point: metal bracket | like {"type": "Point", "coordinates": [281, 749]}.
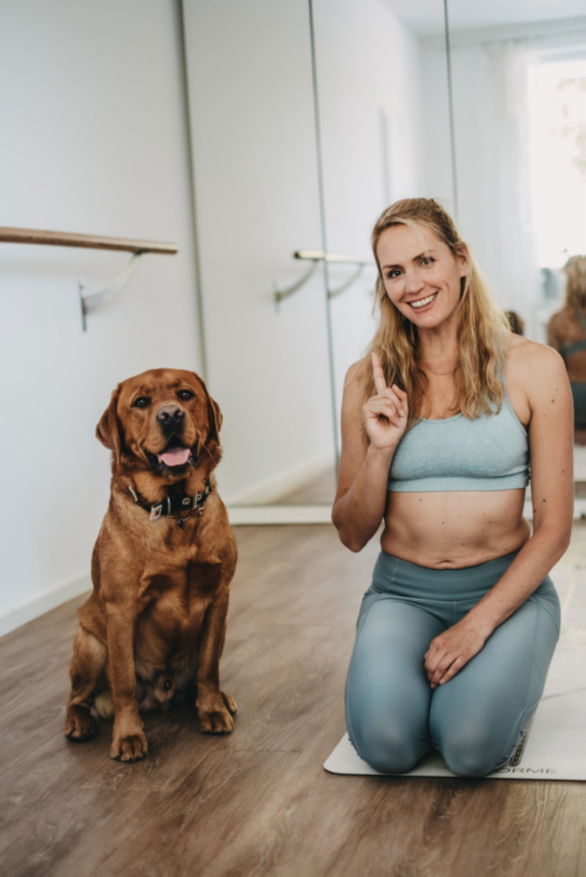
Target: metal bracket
{"type": "Point", "coordinates": [92, 302]}
{"type": "Point", "coordinates": [281, 294]}
{"type": "Point", "coordinates": [332, 293]}
{"type": "Point", "coordinates": [315, 257]}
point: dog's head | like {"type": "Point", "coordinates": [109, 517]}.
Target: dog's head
{"type": "Point", "coordinates": [163, 420]}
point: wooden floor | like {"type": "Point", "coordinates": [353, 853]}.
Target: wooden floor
{"type": "Point", "coordinates": [257, 802]}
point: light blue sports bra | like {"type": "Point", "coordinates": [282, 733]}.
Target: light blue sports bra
{"type": "Point", "coordinates": [567, 350]}
{"type": "Point", "coordinates": [490, 452]}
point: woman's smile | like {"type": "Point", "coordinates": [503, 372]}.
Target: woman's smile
{"type": "Point", "coordinates": [423, 302]}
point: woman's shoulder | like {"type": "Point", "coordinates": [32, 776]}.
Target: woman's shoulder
{"type": "Point", "coordinates": [532, 362]}
{"type": "Point", "coordinates": [357, 374]}
{"type": "Point", "coordinates": [519, 348]}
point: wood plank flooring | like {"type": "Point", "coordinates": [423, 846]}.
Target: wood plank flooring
{"type": "Point", "coordinates": [257, 802]}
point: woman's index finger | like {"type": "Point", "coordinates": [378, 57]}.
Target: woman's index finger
{"type": "Point", "coordinates": [378, 373]}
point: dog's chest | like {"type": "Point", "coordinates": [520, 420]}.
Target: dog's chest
{"type": "Point", "coordinates": [169, 626]}
{"type": "Point", "coordinates": [175, 615]}
{"type": "Point", "coordinates": [176, 597]}
{"type": "Point", "coordinates": [167, 546]}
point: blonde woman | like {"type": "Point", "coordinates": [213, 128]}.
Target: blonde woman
{"type": "Point", "coordinates": [567, 333]}
{"type": "Point", "coordinates": [440, 425]}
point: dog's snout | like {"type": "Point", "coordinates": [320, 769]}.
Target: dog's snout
{"type": "Point", "coordinates": [170, 417]}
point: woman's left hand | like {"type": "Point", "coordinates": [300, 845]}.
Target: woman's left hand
{"type": "Point", "coordinates": [451, 650]}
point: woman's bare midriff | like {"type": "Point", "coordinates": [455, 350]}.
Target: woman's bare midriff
{"type": "Point", "coordinates": [454, 530]}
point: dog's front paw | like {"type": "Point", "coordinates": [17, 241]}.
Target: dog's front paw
{"type": "Point", "coordinates": [128, 743]}
{"type": "Point", "coordinates": [80, 725]}
{"type": "Point", "coordinates": [217, 717]}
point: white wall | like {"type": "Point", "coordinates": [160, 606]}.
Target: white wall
{"type": "Point", "coordinates": [435, 110]}
{"type": "Point", "coordinates": [371, 136]}
{"type": "Point", "coordinates": [257, 201]}
{"type": "Point", "coordinates": [93, 140]}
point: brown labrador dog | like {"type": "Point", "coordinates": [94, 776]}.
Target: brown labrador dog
{"type": "Point", "coordinates": [154, 625]}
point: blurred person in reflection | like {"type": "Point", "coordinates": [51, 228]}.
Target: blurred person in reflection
{"type": "Point", "coordinates": [441, 422]}
{"type": "Point", "coordinates": [567, 333]}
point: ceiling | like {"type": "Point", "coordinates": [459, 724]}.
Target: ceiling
{"type": "Point", "coordinates": [426, 17]}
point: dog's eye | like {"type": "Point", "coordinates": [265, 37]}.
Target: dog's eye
{"type": "Point", "coordinates": [185, 394]}
{"type": "Point", "coordinates": [141, 402]}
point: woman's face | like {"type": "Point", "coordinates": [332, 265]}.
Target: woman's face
{"type": "Point", "coordinates": [421, 275]}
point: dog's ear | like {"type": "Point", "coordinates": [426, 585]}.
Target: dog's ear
{"type": "Point", "coordinates": [214, 414]}
{"type": "Point", "coordinates": [216, 418]}
{"type": "Point", "coordinates": [109, 429]}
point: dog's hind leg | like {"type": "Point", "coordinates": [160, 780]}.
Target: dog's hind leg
{"type": "Point", "coordinates": [86, 671]}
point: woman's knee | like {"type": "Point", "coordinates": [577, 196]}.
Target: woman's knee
{"type": "Point", "coordinates": [472, 752]}
{"type": "Point", "coordinates": [384, 748]}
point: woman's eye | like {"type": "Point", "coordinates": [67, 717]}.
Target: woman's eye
{"type": "Point", "coordinates": [427, 260]}
{"type": "Point", "coordinates": [185, 394]}
{"type": "Point", "coordinates": [141, 402]}
{"type": "Point", "coordinates": [393, 273]}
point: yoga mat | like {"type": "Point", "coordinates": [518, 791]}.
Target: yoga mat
{"type": "Point", "coordinates": [553, 746]}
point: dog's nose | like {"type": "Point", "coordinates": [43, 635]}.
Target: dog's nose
{"type": "Point", "coordinates": [170, 417]}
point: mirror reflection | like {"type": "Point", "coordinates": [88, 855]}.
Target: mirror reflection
{"type": "Point", "coordinates": [518, 79]}
{"type": "Point", "coordinates": [338, 109]}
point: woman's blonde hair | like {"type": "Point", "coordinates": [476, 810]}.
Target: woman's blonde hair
{"type": "Point", "coordinates": [575, 271]}
{"type": "Point", "coordinates": [482, 329]}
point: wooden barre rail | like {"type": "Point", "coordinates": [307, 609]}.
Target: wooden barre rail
{"type": "Point", "coordinates": [89, 303]}
{"type": "Point", "coordinates": [96, 242]}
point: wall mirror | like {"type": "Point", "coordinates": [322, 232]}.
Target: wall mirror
{"type": "Point", "coordinates": [518, 87]}
{"type": "Point", "coordinates": [304, 125]}
{"type": "Point", "coordinates": [307, 118]}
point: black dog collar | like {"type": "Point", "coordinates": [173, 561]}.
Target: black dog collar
{"type": "Point", "coordinates": [173, 504]}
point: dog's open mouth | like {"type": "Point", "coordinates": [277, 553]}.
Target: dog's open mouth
{"type": "Point", "coordinates": [173, 456]}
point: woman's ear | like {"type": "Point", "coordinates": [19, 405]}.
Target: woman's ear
{"type": "Point", "coordinates": [463, 257]}
{"type": "Point", "coordinates": [109, 429]}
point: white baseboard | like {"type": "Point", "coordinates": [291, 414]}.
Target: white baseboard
{"type": "Point", "coordinates": [14, 618]}
{"type": "Point", "coordinates": [280, 514]}
{"type": "Point", "coordinates": [269, 491]}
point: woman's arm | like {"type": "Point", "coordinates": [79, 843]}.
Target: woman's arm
{"type": "Point", "coordinates": [541, 371]}
{"type": "Point", "coordinates": [370, 434]}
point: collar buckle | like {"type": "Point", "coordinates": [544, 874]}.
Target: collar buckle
{"type": "Point", "coordinates": [156, 512]}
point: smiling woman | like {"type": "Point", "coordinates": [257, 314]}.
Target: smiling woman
{"type": "Point", "coordinates": [438, 427]}
{"type": "Point", "coordinates": [428, 279]}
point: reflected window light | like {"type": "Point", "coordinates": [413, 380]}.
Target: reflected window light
{"type": "Point", "coordinates": [557, 158]}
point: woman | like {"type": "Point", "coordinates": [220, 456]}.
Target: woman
{"type": "Point", "coordinates": [567, 333]}
{"type": "Point", "coordinates": [456, 633]}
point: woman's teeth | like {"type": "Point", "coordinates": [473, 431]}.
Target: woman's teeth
{"type": "Point", "coordinates": [423, 301]}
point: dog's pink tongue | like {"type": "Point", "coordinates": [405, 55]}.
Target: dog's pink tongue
{"type": "Point", "coordinates": [174, 457]}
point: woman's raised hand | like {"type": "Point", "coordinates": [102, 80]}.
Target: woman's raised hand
{"type": "Point", "coordinates": [385, 413]}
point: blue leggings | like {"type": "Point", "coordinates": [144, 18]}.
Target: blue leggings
{"type": "Point", "coordinates": [475, 720]}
